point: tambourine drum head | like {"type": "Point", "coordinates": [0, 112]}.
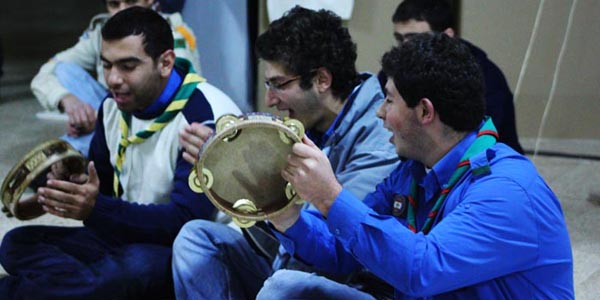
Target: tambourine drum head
{"type": "Point", "coordinates": [245, 162]}
{"type": "Point", "coordinates": [20, 185]}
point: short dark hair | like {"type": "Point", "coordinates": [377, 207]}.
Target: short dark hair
{"type": "Point", "coordinates": [442, 69]}
{"type": "Point", "coordinates": [437, 13]}
{"type": "Point", "coordinates": [304, 40]}
{"type": "Point", "coordinates": [136, 20]}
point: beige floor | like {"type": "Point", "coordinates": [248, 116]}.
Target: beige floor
{"type": "Point", "coordinates": [573, 180]}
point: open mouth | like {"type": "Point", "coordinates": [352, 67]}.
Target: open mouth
{"type": "Point", "coordinates": [121, 98]}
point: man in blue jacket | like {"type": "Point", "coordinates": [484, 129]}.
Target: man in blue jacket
{"type": "Point", "coordinates": [136, 197]}
{"type": "Point", "coordinates": [463, 217]}
{"type": "Point", "coordinates": [310, 74]}
{"type": "Point", "coordinates": [417, 16]}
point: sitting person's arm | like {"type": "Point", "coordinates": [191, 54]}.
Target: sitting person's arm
{"type": "Point", "coordinates": [134, 222]}
{"type": "Point", "coordinates": [53, 95]}
{"type": "Point", "coordinates": [122, 220]}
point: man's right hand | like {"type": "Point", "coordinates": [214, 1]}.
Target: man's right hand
{"type": "Point", "coordinates": [191, 138]}
{"type": "Point", "coordinates": [82, 116]}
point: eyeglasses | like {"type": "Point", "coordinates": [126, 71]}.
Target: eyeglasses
{"type": "Point", "coordinates": [279, 87]}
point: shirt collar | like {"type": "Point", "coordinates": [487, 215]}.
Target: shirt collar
{"type": "Point", "coordinates": [320, 139]}
{"type": "Point", "coordinates": [441, 172]}
{"type": "Point", "coordinates": [164, 99]}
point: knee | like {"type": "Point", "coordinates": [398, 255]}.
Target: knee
{"type": "Point", "coordinates": [191, 236]}
{"type": "Point", "coordinates": [193, 244]}
{"type": "Point", "coordinates": [11, 245]}
{"type": "Point", "coordinates": [283, 284]}
{"type": "Point", "coordinates": [194, 247]}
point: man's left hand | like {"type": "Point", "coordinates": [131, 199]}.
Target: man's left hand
{"type": "Point", "coordinates": [74, 200]}
{"type": "Point", "coordinates": [309, 171]}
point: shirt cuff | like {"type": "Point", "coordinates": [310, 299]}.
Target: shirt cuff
{"type": "Point", "coordinates": [103, 206]}
{"type": "Point", "coordinates": [345, 217]}
{"type": "Point", "coordinates": [298, 231]}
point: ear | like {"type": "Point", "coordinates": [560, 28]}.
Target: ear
{"type": "Point", "coordinates": [166, 63]}
{"type": "Point", "coordinates": [425, 111]}
{"type": "Point", "coordinates": [449, 32]}
{"type": "Point", "coordinates": [323, 79]}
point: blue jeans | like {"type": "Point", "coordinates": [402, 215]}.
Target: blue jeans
{"type": "Point", "coordinates": [298, 285]}
{"type": "Point", "coordinates": [79, 83]}
{"type": "Point", "coordinates": [214, 261]}
{"type": "Point", "coordinates": [64, 263]}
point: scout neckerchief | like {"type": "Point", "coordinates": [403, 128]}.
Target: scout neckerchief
{"type": "Point", "coordinates": [190, 81]}
{"type": "Point", "coordinates": [486, 137]}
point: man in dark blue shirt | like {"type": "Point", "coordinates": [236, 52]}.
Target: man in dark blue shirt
{"type": "Point", "coordinates": [417, 16]}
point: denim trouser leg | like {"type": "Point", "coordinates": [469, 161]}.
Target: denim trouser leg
{"type": "Point", "coordinates": [298, 285]}
{"type": "Point", "coordinates": [81, 143]}
{"type": "Point", "coordinates": [74, 263]}
{"type": "Point", "coordinates": [81, 84]}
{"type": "Point", "coordinates": [213, 261]}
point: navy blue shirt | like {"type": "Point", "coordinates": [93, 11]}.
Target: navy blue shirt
{"type": "Point", "coordinates": [498, 98]}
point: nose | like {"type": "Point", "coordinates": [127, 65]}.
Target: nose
{"type": "Point", "coordinates": [271, 98]}
{"type": "Point", "coordinates": [113, 78]}
{"type": "Point", "coordinates": [381, 111]}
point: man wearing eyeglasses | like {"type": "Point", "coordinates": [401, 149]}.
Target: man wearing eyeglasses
{"type": "Point", "coordinates": [310, 73]}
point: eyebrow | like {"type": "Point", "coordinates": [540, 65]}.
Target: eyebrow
{"type": "Point", "coordinates": [274, 78]}
{"type": "Point", "coordinates": [122, 60]}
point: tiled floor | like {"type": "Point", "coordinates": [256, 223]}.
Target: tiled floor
{"type": "Point", "coordinates": [573, 180]}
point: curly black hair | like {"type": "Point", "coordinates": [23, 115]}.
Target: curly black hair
{"type": "Point", "coordinates": [304, 40]}
{"type": "Point", "coordinates": [442, 69]}
{"type": "Point", "coordinates": [137, 20]}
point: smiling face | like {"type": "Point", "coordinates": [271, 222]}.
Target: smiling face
{"type": "Point", "coordinates": [408, 136]}
{"type": "Point", "coordinates": [134, 78]}
{"type": "Point", "coordinates": [284, 93]}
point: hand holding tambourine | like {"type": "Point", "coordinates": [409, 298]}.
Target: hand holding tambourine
{"type": "Point", "coordinates": [54, 160]}
{"type": "Point", "coordinates": [239, 166]}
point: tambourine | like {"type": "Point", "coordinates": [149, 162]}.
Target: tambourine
{"type": "Point", "coordinates": [19, 187]}
{"type": "Point", "coordinates": [240, 166]}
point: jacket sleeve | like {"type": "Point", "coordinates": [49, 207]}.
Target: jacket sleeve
{"type": "Point", "coordinates": [45, 85]}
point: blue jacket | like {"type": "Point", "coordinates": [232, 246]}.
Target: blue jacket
{"type": "Point", "coordinates": [499, 235]}
{"type": "Point", "coordinates": [357, 143]}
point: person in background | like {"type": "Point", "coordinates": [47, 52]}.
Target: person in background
{"type": "Point", "coordinates": [310, 73]}
{"type": "Point", "coordinates": [135, 197]}
{"type": "Point", "coordinates": [65, 83]}
{"type": "Point", "coordinates": [417, 16]}
{"type": "Point", "coordinates": [453, 221]}
{"type": "Point", "coordinates": [170, 6]}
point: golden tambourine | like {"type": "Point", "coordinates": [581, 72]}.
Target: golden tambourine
{"type": "Point", "coordinates": [19, 187]}
{"type": "Point", "coordinates": [240, 166]}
